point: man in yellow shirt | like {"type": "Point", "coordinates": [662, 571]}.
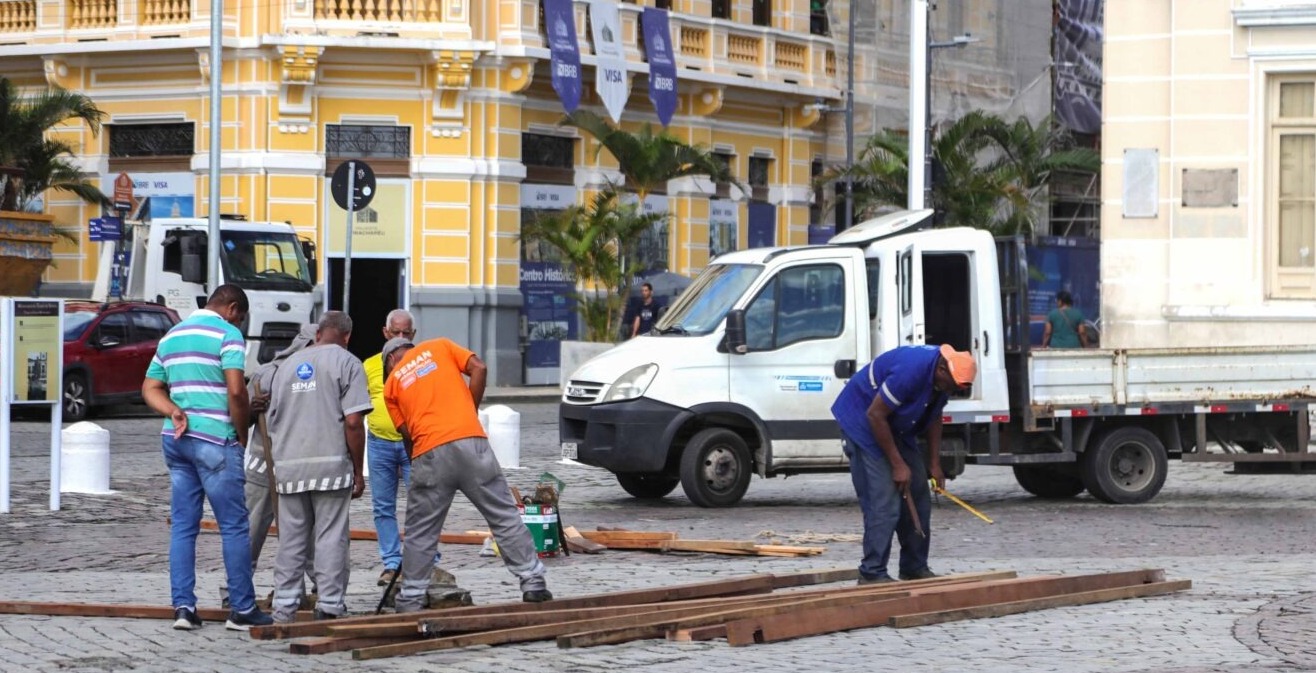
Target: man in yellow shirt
{"type": "Point", "coordinates": [388, 459]}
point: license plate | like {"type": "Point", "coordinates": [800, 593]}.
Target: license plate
{"type": "Point", "coordinates": [569, 451]}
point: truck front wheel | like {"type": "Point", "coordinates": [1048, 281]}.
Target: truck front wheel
{"type": "Point", "coordinates": [1049, 481]}
{"type": "Point", "coordinates": [647, 486]}
{"type": "Point", "coordinates": [1125, 466]}
{"type": "Point", "coordinates": [715, 468]}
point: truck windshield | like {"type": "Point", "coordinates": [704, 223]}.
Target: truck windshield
{"type": "Point", "coordinates": [259, 260]}
{"type": "Point", "coordinates": [703, 305]}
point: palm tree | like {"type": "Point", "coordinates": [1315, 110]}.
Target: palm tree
{"type": "Point", "coordinates": [45, 163]}
{"type": "Point", "coordinates": [602, 239]}
{"type": "Point", "coordinates": [990, 174]}
{"type": "Point", "coordinates": [647, 160]}
{"type": "Point", "coordinates": [593, 239]}
{"type": "Point", "coordinates": [1029, 156]}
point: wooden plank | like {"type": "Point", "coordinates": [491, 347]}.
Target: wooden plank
{"type": "Point", "coordinates": [103, 610]}
{"type": "Point", "coordinates": [710, 546]}
{"type": "Point", "coordinates": [749, 584]}
{"type": "Point", "coordinates": [812, 620]}
{"type": "Point", "coordinates": [698, 633]}
{"type": "Point", "coordinates": [606, 536]}
{"type": "Point", "coordinates": [577, 543]}
{"type": "Point", "coordinates": [467, 623]}
{"type": "Point", "coordinates": [1064, 600]}
{"type": "Point", "coordinates": [813, 577]}
{"type": "Point", "coordinates": [327, 645]}
{"type": "Point", "coordinates": [658, 625]}
{"type": "Point", "coordinates": [400, 629]}
{"type": "Point", "coordinates": [360, 534]}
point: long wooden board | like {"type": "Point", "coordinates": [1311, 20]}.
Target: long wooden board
{"type": "Point", "coordinates": [749, 584]}
{"type": "Point", "coordinates": [362, 535]}
{"type": "Point", "coordinates": [1048, 602]}
{"type": "Point", "coordinates": [103, 610]}
{"type": "Point", "coordinates": [818, 620]}
{"type": "Point", "coordinates": [327, 645]}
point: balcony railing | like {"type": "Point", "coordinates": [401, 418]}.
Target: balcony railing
{"type": "Point", "coordinates": [165, 12]}
{"type": "Point", "coordinates": [718, 46]}
{"type": "Point", "coordinates": [93, 14]}
{"type": "Point", "coordinates": [109, 20]}
{"type": "Point", "coordinates": [398, 11]}
{"type": "Point", "coordinates": [18, 16]}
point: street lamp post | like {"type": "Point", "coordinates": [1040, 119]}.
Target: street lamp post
{"type": "Point", "coordinates": [849, 119]}
{"type": "Point", "coordinates": [920, 102]}
{"type": "Point", "coordinates": [216, 123]}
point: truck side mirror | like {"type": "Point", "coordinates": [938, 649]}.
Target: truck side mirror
{"type": "Point", "coordinates": [308, 251]}
{"type": "Point", "coordinates": [736, 331]}
{"type": "Point", "coordinates": [194, 259]}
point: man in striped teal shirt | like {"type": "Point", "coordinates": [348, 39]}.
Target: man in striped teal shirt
{"type": "Point", "coordinates": [196, 381]}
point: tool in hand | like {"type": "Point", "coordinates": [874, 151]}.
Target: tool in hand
{"type": "Point", "coordinates": [913, 514]}
{"type": "Point", "coordinates": [941, 491]}
{"type": "Point", "coordinates": [387, 590]}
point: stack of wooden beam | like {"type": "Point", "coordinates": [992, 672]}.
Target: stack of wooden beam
{"type": "Point", "coordinates": [592, 542]}
{"type": "Point", "coordinates": [665, 541]}
{"type": "Point", "coordinates": [743, 610]}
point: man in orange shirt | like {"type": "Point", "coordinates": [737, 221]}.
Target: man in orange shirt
{"type": "Point", "coordinates": [435, 410]}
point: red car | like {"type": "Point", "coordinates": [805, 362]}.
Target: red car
{"type": "Point", "coordinates": [107, 348]}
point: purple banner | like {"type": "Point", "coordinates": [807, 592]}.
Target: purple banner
{"type": "Point", "coordinates": [1078, 40]}
{"type": "Point", "coordinates": [662, 66]}
{"type": "Point", "coordinates": [560, 25]}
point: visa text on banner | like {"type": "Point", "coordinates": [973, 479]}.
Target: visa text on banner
{"type": "Point", "coordinates": [610, 68]}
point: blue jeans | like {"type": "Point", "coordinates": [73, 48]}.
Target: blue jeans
{"type": "Point", "coordinates": [885, 512]}
{"type": "Point", "coordinates": [200, 470]}
{"type": "Point", "coordinates": [390, 465]}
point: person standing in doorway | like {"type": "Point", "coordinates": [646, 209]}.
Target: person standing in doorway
{"type": "Point", "coordinates": [196, 381]}
{"type": "Point", "coordinates": [317, 413]}
{"type": "Point", "coordinates": [390, 464]}
{"type": "Point", "coordinates": [882, 410]}
{"type": "Point", "coordinates": [1065, 326]}
{"type": "Point", "coordinates": [435, 409]}
{"type": "Point", "coordinates": [646, 314]}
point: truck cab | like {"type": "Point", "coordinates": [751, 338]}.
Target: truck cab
{"type": "Point", "coordinates": [739, 375]}
{"type": "Point", "coordinates": [167, 264]}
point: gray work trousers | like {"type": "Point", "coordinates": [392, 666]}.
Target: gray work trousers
{"type": "Point", "coordinates": [466, 465]}
{"type": "Point", "coordinates": [312, 522]}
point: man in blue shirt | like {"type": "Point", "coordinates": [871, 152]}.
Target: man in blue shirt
{"type": "Point", "coordinates": [196, 382]}
{"type": "Point", "coordinates": [882, 410]}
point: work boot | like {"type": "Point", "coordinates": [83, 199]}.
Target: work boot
{"type": "Point", "coordinates": [321, 615]}
{"type": "Point", "coordinates": [536, 596]}
{"type": "Point", "coordinates": [924, 574]}
{"type": "Point", "coordinates": [875, 579]}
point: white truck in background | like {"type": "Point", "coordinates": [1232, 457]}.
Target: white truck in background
{"type": "Point", "coordinates": [166, 264]}
{"type": "Point", "coordinates": [739, 375]}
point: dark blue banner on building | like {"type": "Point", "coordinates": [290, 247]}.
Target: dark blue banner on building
{"type": "Point", "coordinates": [662, 66]}
{"type": "Point", "coordinates": [564, 53]}
{"type": "Point", "coordinates": [548, 289]}
{"type": "Point", "coordinates": [1078, 40]}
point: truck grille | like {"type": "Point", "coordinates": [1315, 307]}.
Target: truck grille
{"type": "Point", "coordinates": [274, 337]}
{"type": "Point", "coordinates": [582, 392]}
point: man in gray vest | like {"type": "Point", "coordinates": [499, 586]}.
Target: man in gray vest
{"type": "Point", "coordinates": [318, 403]}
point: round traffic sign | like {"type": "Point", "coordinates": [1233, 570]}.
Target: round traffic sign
{"type": "Point", "coordinates": [363, 184]}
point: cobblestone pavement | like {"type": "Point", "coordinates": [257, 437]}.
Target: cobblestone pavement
{"type": "Point", "coordinates": [1246, 542]}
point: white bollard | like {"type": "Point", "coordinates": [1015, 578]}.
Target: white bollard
{"type": "Point", "coordinates": [84, 459]}
{"type": "Point", "coordinates": [503, 425]}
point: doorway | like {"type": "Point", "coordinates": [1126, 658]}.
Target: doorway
{"type": "Point", "coordinates": [378, 286]}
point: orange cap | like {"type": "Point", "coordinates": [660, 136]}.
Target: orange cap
{"type": "Point", "coordinates": [962, 367]}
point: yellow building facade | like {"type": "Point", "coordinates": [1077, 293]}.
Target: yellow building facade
{"type": "Point", "coordinates": [439, 97]}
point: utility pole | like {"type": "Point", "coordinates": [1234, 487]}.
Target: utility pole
{"type": "Point", "coordinates": [216, 136]}
{"type": "Point", "coordinates": [917, 164]}
{"type": "Point", "coordinates": [849, 118]}
{"type": "Point", "coordinates": [920, 102]}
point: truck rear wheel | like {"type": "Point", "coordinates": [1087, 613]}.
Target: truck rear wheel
{"type": "Point", "coordinates": [1049, 481]}
{"type": "Point", "coordinates": [647, 486]}
{"type": "Point", "coordinates": [715, 468]}
{"type": "Point", "coordinates": [1125, 466]}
